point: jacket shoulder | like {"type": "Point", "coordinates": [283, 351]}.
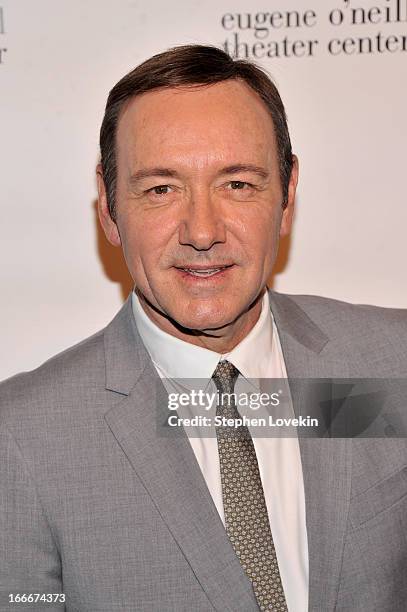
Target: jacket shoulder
{"type": "Point", "coordinates": [371, 334]}
{"type": "Point", "coordinates": [76, 370]}
{"type": "Point", "coordinates": [328, 311]}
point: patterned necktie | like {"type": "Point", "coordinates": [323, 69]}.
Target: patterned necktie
{"type": "Point", "coordinates": [246, 518]}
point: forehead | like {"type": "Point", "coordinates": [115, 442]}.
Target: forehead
{"type": "Point", "coordinates": [227, 119]}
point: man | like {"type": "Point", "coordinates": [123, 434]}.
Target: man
{"type": "Point", "coordinates": [196, 183]}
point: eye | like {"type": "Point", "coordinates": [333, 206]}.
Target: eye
{"type": "Point", "coordinates": [239, 185]}
{"type": "Point", "coordinates": [159, 190]}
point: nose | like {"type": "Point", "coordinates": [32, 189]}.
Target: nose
{"type": "Point", "coordinates": [202, 225]}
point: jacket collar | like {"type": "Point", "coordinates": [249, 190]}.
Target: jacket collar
{"type": "Point", "coordinates": [126, 356]}
{"type": "Point", "coordinates": [171, 475]}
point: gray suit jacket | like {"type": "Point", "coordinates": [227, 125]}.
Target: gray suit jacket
{"type": "Point", "coordinates": [95, 504]}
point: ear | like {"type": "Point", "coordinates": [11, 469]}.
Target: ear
{"type": "Point", "coordinates": [106, 221]}
{"type": "Point", "coordinates": [287, 219]}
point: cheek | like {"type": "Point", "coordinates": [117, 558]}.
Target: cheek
{"type": "Point", "coordinates": [145, 241]}
{"type": "Point", "coordinates": [258, 233]}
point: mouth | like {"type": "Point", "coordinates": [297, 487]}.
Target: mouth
{"type": "Point", "coordinates": [204, 272]}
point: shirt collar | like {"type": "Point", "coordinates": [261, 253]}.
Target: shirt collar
{"type": "Point", "coordinates": [251, 356]}
{"type": "Point", "coordinates": [179, 359]}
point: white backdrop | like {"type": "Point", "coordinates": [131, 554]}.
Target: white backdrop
{"type": "Point", "coordinates": [347, 114]}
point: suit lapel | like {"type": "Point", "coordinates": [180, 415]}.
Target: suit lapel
{"type": "Point", "coordinates": [169, 471]}
{"type": "Point", "coordinates": [326, 463]}
{"type": "Point", "coordinates": [167, 466]}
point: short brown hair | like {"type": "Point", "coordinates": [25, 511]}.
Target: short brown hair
{"type": "Point", "coordinates": [182, 66]}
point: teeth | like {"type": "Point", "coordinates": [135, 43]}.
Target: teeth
{"type": "Point", "coordinates": [207, 272]}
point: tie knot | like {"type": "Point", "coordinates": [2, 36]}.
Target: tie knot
{"type": "Point", "coordinates": [225, 376]}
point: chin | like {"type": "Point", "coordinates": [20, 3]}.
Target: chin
{"type": "Point", "coordinates": [204, 317]}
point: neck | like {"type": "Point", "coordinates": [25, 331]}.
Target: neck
{"type": "Point", "coordinates": [222, 340]}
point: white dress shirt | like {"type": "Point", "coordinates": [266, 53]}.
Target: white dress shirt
{"type": "Point", "coordinates": [258, 356]}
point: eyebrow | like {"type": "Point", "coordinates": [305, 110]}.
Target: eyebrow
{"type": "Point", "coordinates": [144, 173]}
{"type": "Point", "coordinates": [236, 168]}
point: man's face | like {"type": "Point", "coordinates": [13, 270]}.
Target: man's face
{"type": "Point", "coordinates": [199, 201]}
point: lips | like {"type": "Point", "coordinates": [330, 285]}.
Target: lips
{"type": "Point", "coordinates": [203, 272]}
